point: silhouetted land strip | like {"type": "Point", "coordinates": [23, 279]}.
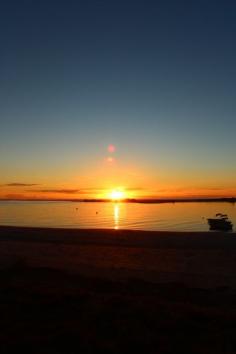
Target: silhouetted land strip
{"type": "Point", "coordinates": [132, 200]}
{"type": "Point", "coordinates": [181, 200]}
{"type": "Point", "coordinates": [111, 291]}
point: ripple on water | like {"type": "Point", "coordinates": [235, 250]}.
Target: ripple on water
{"type": "Point", "coordinates": [172, 217]}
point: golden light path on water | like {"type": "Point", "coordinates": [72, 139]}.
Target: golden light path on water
{"type": "Point", "coordinates": [116, 215]}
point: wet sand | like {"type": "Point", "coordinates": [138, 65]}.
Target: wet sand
{"type": "Point", "coordinates": [112, 291]}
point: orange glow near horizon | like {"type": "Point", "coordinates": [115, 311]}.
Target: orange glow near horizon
{"type": "Point", "coordinates": [110, 192]}
{"type": "Point", "coordinates": [115, 181]}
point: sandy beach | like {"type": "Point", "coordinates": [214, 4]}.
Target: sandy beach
{"type": "Point", "coordinates": [112, 291]}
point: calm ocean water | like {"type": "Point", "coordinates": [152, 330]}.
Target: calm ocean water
{"type": "Point", "coordinates": [168, 216]}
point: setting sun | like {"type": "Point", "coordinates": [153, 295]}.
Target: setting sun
{"type": "Point", "coordinates": [117, 194]}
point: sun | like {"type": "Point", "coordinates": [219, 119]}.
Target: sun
{"type": "Point", "coordinates": [117, 194]}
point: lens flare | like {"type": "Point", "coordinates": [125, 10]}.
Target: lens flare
{"type": "Point", "coordinates": [111, 148]}
{"type": "Point", "coordinates": [110, 159]}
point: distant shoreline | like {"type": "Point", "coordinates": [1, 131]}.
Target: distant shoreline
{"type": "Point", "coordinates": [133, 200]}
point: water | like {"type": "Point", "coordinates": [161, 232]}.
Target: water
{"type": "Point", "coordinates": [168, 216]}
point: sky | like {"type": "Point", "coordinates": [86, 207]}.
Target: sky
{"type": "Point", "coordinates": [100, 95]}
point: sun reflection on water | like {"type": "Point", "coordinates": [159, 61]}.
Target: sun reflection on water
{"type": "Point", "coordinates": [116, 216]}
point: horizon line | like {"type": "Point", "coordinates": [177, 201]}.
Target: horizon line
{"type": "Point", "coordinates": [149, 200]}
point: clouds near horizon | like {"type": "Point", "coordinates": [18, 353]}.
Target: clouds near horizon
{"type": "Point", "coordinates": [18, 184]}
{"type": "Point", "coordinates": [63, 191]}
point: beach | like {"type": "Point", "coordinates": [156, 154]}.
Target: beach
{"type": "Point", "coordinates": [113, 291]}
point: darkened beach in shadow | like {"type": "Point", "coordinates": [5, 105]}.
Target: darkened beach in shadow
{"type": "Point", "coordinates": [110, 291]}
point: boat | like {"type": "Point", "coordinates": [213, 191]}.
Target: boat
{"type": "Point", "coordinates": [221, 222]}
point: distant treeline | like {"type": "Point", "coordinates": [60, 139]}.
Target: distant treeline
{"type": "Point", "coordinates": [132, 200]}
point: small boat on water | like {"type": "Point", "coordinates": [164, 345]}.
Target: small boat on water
{"type": "Point", "coordinates": [220, 222]}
